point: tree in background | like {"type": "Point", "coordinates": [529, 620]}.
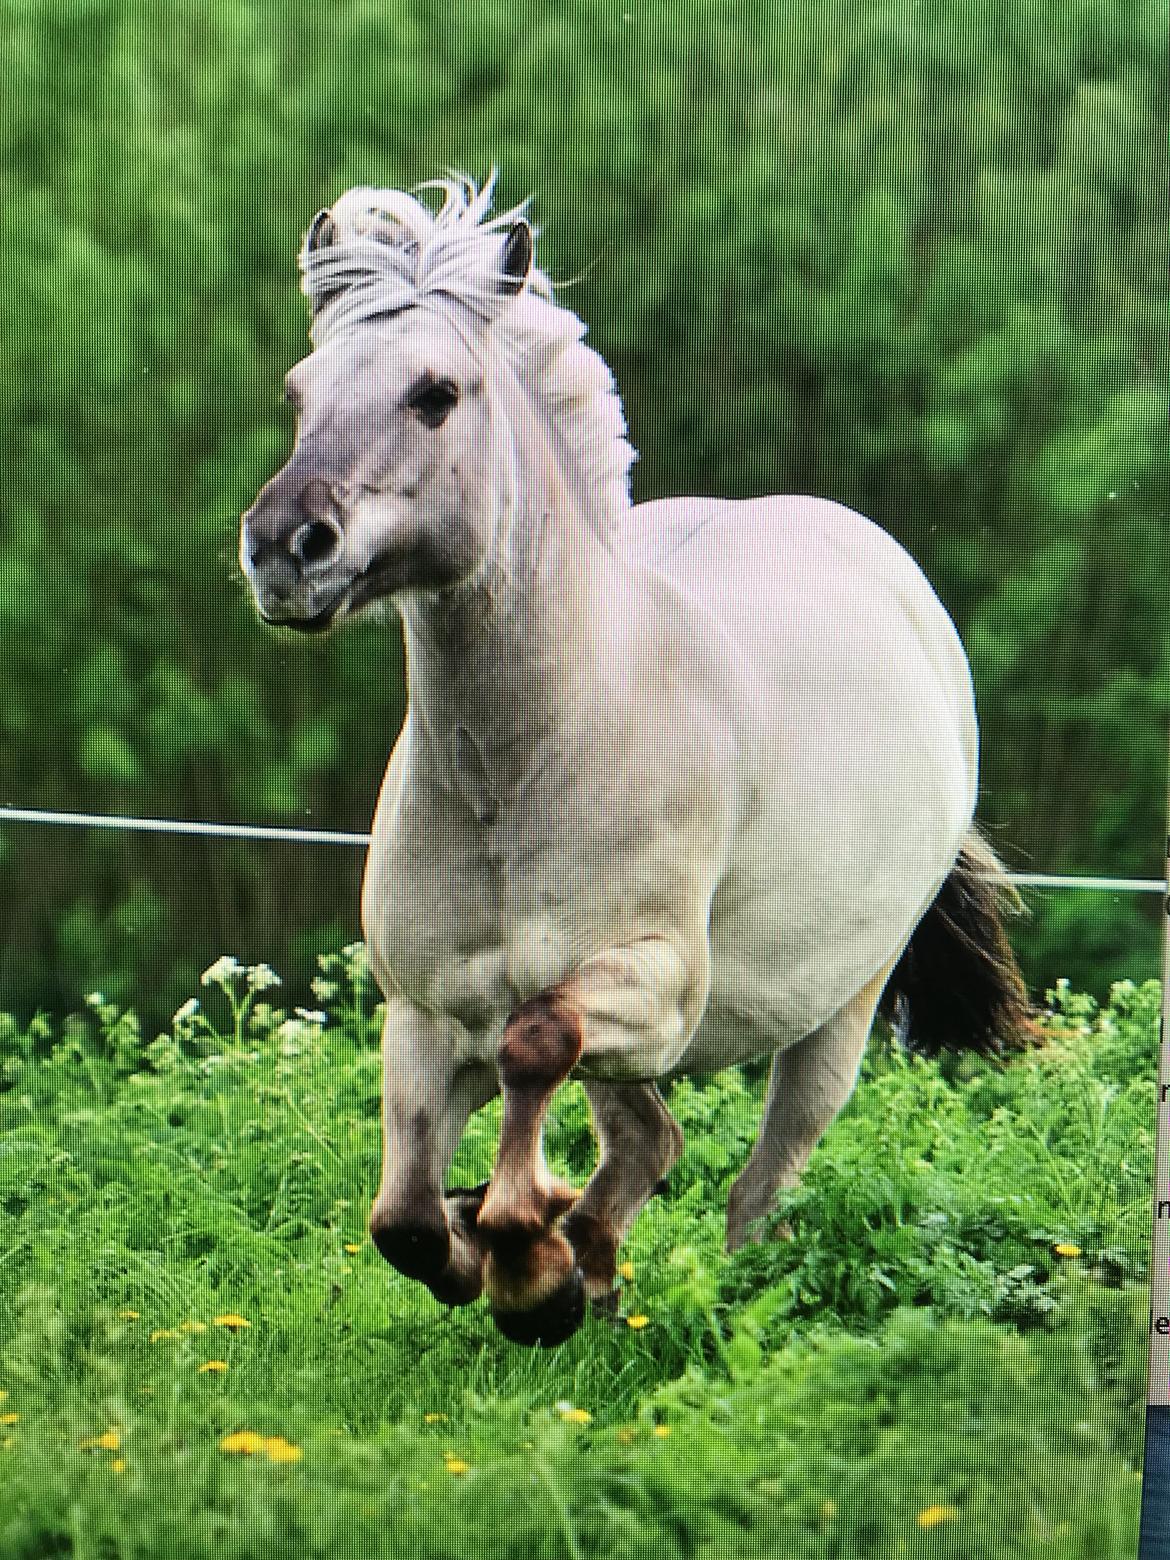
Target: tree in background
{"type": "Point", "coordinates": [912, 261]}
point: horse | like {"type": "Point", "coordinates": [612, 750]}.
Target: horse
{"type": "Point", "coordinates": [678, 786]}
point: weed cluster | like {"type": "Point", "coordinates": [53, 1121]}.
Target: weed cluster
{"type": "Point", "coordinates": [203, 1355]}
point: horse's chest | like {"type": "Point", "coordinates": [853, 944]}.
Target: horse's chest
{"type": "Point", "coordinates": [471, 930]}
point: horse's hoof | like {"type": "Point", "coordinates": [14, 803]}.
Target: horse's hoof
{"type": "Point", "coordinates": [552, 1321]}
{"type": "Point", "coordinates": [416, 1250]}
{"type": "Point", "coordinates": [457, 1286]}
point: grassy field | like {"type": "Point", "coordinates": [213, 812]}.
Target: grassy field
{"type": "Point", "coordinates": [203, 1356]}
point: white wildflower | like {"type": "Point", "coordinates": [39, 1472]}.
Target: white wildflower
{"type": "Point", "coordinates": [311, 1015]}
{"type": "Point", "coordinates": [222, 971]}
{"type": "Point", "coordinates": [188, 1010]}
{"type": "Point", "coordinates": [261, 977]}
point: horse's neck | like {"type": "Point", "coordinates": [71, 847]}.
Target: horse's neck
{"type": "Point", "coordinates": [497, 667]}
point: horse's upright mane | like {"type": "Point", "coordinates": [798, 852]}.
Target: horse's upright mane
{"type": "Point", "coordinates": [389, 251]}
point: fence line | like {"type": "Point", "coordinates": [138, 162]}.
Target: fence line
{"type": "Point", "coordinates": [236, 831]}
{"type": "Point", "coordinates": [257, 831]}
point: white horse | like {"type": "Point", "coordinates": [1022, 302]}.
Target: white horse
{"type": "Point", "coordinates": [678, 785]}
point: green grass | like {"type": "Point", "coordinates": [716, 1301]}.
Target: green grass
{"type": "Point", "coordinates": [918, 1350]}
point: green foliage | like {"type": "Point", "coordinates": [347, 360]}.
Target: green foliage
{"type": "Point", "coordinates": [914, 261]}
{"type": "Point", "coordinates": [917, 1371]}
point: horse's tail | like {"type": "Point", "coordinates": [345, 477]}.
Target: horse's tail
{"type": "Point", "coordinates": [957, 986]}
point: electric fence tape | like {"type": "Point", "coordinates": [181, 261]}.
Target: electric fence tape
{"type": "Point", "coordinates": [256, 831]}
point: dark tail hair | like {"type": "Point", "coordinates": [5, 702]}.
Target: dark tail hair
{"type": "Point", "coordinates": [957, 986]}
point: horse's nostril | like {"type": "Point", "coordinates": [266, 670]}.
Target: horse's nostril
{"type": "Point", "coordinates": [315, 542]}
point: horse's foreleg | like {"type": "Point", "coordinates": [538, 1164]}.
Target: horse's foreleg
{"type": "Point", "coordinates": [629, 1009]}
{"type": "Point", "coordinates": [640, 1141]}
{"type": "Point", "coordinates": [808, 1085]}
{"type": "Point", "coordinates": [428, 1094]}
{"type": "Point", "coordinates": [531, 1273]}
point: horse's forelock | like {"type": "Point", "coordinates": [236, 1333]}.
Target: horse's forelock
{"type": "Point", "coordinates": [390, 251]}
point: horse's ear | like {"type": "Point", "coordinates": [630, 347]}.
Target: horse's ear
{"type": "Point", "coordinates": [516, 258]}
{"type": "Point", "coordinates": [322, 231]}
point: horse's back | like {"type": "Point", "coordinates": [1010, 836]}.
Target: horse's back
{"type": "Point", "coordinates": [801, 584]}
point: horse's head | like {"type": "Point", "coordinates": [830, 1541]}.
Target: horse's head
{"type": "Point", "coordinates": [393, 480]}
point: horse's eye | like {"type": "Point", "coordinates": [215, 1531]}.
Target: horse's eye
{"type": "Point", "coordinates": [434, 401]}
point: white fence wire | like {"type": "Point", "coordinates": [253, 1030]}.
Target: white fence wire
{"type": "Point", "coordinates": [257, 831]}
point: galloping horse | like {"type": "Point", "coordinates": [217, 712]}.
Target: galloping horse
{"type": "Point", "coordinates": [679, 785]}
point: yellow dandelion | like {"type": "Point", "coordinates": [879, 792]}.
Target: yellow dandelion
{"type": "Point", "coordinates": [3, 1396]}
{"type": "Point", "coordinates": [637, 1322]}
{"type": "Point", "coordinates": [434, 1419]}
{"type": "Point", "coordinates": [243, 1441]}
{"type": "Point", "coordinates": [352, 1247]}
{"type": "Point", "coordinates": [231, 1320]}
{"type": "Point", "coordinates": [160, 1333]}
{"type": "Point", "coordinates": [128, 1316]}
{"type": "Point", "coordinates": [278, 1450]}
{"type": "Point", "coordinates": [118, 1465]}
{"type": "Point", "coordinates": [9, 1419]}
{"type": "Point", "coordinates": [1066, 1248]}
{"type": "Point", "coordinates": [192, 1327]}
{"type": "Point", "coordinates": [626, 1434]}
{"type": "Point", "coordinates": [109, 1441]}
{"type": "Point", "coordinates": [213, 1365]}
{"type": "Point", "coordinates": [626, 1269]}
{"type": "Point", "coordinates": [828, 1509]}
{"type": "Point", "coordinates": [931, 1516]}
{"type": "Point", "coordinates": [662, 1431]}
{"type": "Point", "coordinates": [576, 1416]}
{"type": "Point", "coordinates": [456, 1465]}
{"type": "Point", "coordinates": [7, 1443]}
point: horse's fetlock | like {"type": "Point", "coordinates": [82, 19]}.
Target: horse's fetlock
{"type": "Point", "coordinates": [508, 1231]}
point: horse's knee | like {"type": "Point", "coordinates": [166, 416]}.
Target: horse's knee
{"type": "Point", "coordinates": [542, 1041]}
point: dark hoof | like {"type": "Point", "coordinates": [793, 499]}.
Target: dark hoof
{"type": "Point", "coordinates": [456, 1288]}
{"type": "Point", "coordinates": [550, 1322]}
{"type": "Point", "coordinates": [416, 1250]}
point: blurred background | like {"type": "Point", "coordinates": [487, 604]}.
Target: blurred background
{"type": "Point", "coordinates": [911, 257]}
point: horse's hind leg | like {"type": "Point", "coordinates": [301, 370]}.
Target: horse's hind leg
{"type": "Point", "coordinates": [427, 1097]}
{"type": "Point", "coordinates": [639, 1141]}
{"type": "Point", "coordinates": [808, 1085]}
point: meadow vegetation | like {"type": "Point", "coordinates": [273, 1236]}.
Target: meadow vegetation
{"type": "Point", "coordinates": [203, 1356]}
